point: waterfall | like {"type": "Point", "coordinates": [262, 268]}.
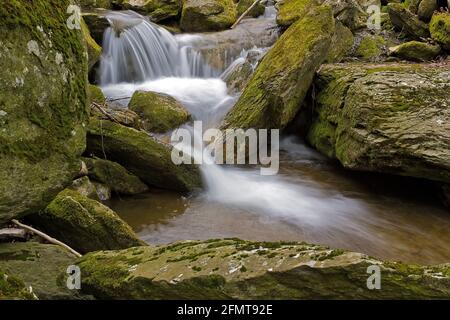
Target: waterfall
{"type": "Point", "coordinates": [136, 50]}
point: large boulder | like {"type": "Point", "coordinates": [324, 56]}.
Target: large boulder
{"type": "Point", "coordinates": [207, 15]}
{"type": "Point", "coordinates": [440, 29]}
{"type": "Point", "coordinates": [236, 269]}
{"type": "Point", "coordinates": [84, 224]}
{"type": "Point", "coordinates": [389, 118]}
{"type": "Point", "coordinates": [416, 51]}
{"type": "Point", "coordinates": [41, 267]}
{"type": "Point", "coordinates": [159, 112]}
{"type": "Point", "coordinates": [282, 79]}
{"type": "Point", "coordinates": [142, 155]}
{"type": "Point", "coordinates": [156, 10]}
{"type": "Point", "coordinates": [406, 21]}
{"type": "Point", "coordinates": [43, 76]}
{"type": "Point", "coordinates": [115, 177]}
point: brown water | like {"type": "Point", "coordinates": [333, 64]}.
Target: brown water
{"type": "Point", "coordinates": [386, 217]}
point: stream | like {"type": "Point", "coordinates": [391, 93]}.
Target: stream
{"type": "Point", "coordinates": [311, 199]}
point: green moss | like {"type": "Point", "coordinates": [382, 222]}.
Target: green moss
{"type": "Point", "coordinates": [207, 15]}
{"type": "Point", "coordinates": [371, 47]}
{"type": "Point", "coordinates": [416, 51]}
{"type": "Point", "coordinates": [243, 5]}
{"type": "Point", "coordinates": [290, 11]}
{"type": "Point", "coordinates": [156, 10]}
{"type": "Point", "coordinates": [159, 112]}
{"type": "Point", "coordinates": [12, 288]}
{"type": "Point", "coordinates": [96, 94]}
{"type": "Point", "coordinates": [94, 50]}
{"type": "Point", "coordinates": [440, 29]}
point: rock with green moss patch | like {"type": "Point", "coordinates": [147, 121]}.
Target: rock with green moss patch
{"type": "Point", "coordinates": [40, 266]}
{"type": "Point", "coordinates": [93, 49]}
{"type": "Point", "coordinates": [390, 118]}
{"type": "Point", "coordinates": [97, 24]}
{"type": "Point", "coordinates": [88, 189]}
{"type": "Point", "coordinates": [96, 94]}
{"type": "Point", "coordinates": [282, 79]}
{"type": "Point", "coordinates": [341, 43]}
{"type": "Point", "coordinates": [289, 11]}
{"type": "Point", "coordinates": [440, 29]}
{"type": "Point", "coordinates": [426, 9]}
{"type": "Point", "coordinates": [142, 155]}
{"type": "Point", "coordinates": [13, 288]}
{"type": "Point", "coordinates": [416, 51]}
{"type": "Point", "coordinates": [371, 47]}
{"type": "Point", "coordinates": [43, 104]}
{"type": "Point", "coordinates": [207, 15]}
{"type": "Point", "coordinates": [92, 4]}
{"type": "Point", "coordinates": [406, 21]}
{"type": "Point", "coordinates": [156, 10]}
{"type": "Point", "coordinates": [257, 10]}
{"type": "Point", "coordinates": [236, 269]}
{"type": "Point", "coordinates": [115, 177]}
{"type": "Point", "coordinates": [159, 112]}
{"type": "Point", "coordinates": [84, 224]}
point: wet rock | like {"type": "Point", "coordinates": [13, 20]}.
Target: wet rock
{"type": "Point", "coordinates": [282, 79]}
{"type": "Point", "coordinates": [84, 224]}
{"type": "Point", "coordinates": [207, 15]}
{"type": "Point", "coordinates": [220, 49]}
{"type": "Point", "coordinates": [43, 76]}
{"type": "Point", "coordinates": [13, 288]}
{"type": "Point", "coordinates": [97, 24]}
{"type": "Point", "coordinates": [142, 155]}
{"type": "Point", "coordinates": [159, 112]}
{"type": "Point", "coordinates": [426, 9]}
{"type": "Point", "coordinates": [94, 50]}
{"type": "Point", "coordinates": [390, 118]}
{"type": "Point", "coordinates": [405, 20]}
{"type": "Point", "coordinates": [237, 269]}
{"type": "Point", "coordinates": [243, 5]}
{"type": "Point", "coordinates": [40, 266]}
{"type": "Point", "coordinates": [86, 188]}
{"type": "Point", "coordinates": [416, 51]}
{"type": "Point", "coordinates": [238, 76]}
{"type": "Point", "coordinates": [440, 29]}
{"type": "Point", "coordinates": [156, 10]}
{"type": "Point", "coordinates": [116, 177]}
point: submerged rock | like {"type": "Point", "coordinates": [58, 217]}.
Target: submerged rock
{"type": "Point", "coordinates": [416, 51]}
{"type": "Point", "coordinates": [40, 266]}
{"type": "Point", "coordinates": [159, 112]}
{"type": "Point", "coordinates": [142, 155]}
{"type": "Point", "coordinates": [282, 79]}
{"type": "Point", "coordinates": [406, 21]}
{"type": "Point", "coordinates": [237, 269]}
{"type": "Point", "coordinates": [389, 118]}
{"type": "Point", "coordinates": [115, 177]}
{"type": "Point", "coordinates": [440, 29]}
{"type": "Point", "coordinates": [207, 15]}
{"type": "Point", "coordinates": [43, 104]}
{"type": "Point", "coordinates": [84, 224]}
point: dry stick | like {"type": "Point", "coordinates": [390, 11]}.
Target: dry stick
{"type": "Point", "coordinates": [46, 237]}
{"type": "Point", "coordinates": [245, 13]}
{"type": "Point", "coordinates": [102, 110]}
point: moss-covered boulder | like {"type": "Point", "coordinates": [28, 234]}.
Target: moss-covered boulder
{"type": "Point", "coordinates": [406, 21]}
{"type": "Point", "coordinates": [257, 10]}
{"type": "Point", "coordinates": [43, 104]}
{"type": "Point", "coordinates": [416, 51]}
{"type": "Point", "coordinates": [236, 269]}
{"type": "Point", "coordinates": [371, 47]}
{"type": "Point", "coordinates": [94, 50]}
{"type": "Point", "coordinates": [389, 118]}
{"type": "Point", "coordinates": [84, 224]}
{"type": "Point", "coordinates": [426, 9]}
{"type": "Point", "coordinates": [92, 4]}
{"type": "Point", "coordinates": [440, 29]}
{"type": "Point", "coordinates": [207, 15]}
{"type": "Point", "coordinates": [282, 79]}
{"type": "Point", "coordinates": [159, 112]}
{"type": "Point", "coordinates": [142, 155]}
{"type": "Point", "coordinates": [41, 267]}
{"type": "Point", "coordinates": [115, 177]}
{"type": "Point", "coordinates": [341, 43]}
{"type": "Point", "coordinates": [156, 10]}
{"type": "Point", "coordinates": [289, 11]}
{"type": "Point", "coordinates": [96, 94]}
{"type": "Point", "coordinates": [13, 288]}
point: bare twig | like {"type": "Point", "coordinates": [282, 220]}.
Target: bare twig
{"type": "Point", "coordinates": [46, 237]}
{"type": "Point", "coordinates": [103, 111]}
{"type": "Point", "coordinates": [245, 13]}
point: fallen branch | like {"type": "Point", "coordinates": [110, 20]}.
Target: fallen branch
{"type": "Point", "coordinates": [103, 111]}
{"type": "Point", "coordinates": [46, 237]}
{"type": "Point", "coordinates": [245, 13]}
